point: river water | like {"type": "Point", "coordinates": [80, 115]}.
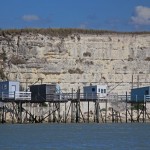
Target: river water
{"type": "Point", "coordinates": [119, 136]}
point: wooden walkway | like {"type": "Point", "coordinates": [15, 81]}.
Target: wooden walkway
{"type": "Point", "coordinates": [66, 107]}
{"type": "Point", "coordinates": [62, 97]}
{"type": "Point", "coordinates": [15, 96]}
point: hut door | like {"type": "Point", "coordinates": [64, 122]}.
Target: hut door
{"type": "Point", "coordinates": [13, 88]}
{"type": "Point", "coordinates": [146, 92]}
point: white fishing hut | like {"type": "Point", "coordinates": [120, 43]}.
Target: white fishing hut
{"type": "Point", "coordinates": [95, 91]}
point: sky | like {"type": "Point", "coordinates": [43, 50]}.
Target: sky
{"type": "Point", "coordinates": [116, 15]}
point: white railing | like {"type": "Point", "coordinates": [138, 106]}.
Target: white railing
{"type": "Point", "coordinates": [93, 96]}
{"type": "Point", "coordinates": [124, 98]}
{"type": "Point", "coordinates": [120, 98]}
{"type": "Point", "coordinates": [146, 98]}
{"type": "Point", "coordinates": [17, 95]}
{"type": "Point", "coordinates": [74, 96]}
{"type": "Point", "coordinates": [68, 96]}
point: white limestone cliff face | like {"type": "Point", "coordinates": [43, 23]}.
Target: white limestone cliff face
{"type": "Point", "coordinates": [115, 59]}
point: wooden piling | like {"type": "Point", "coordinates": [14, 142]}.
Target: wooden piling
{"type": "Point", "coordinates": [20, 112]}
{"type": "Point", "coordinates": [72, 108]}
{"type": "Point", "coordinates": [65, 113]}
{"type": "Point", "coordinates": [58, 108]}
{"type": "Point", "coordinates": [0, 114]}
{"type": "Point", "coordinates": [88, 111]}
{"type": "Point", "coordinates": [3, 113]}
{"type": "Point", "coordinates": [131, 113]}
{"type": "Point", "coordinates": [77, 114]}
{"type": "Point", "coordinates": [49, 112]}
{"type": "Point", "coordinates": [97, 111]}
{"type": "Point", "coordinates": [145, 110]}
{"type": "Point", "coordinates": [54, 113]}
{"type": "Point", "coordinates": [126, 107]}
{"type": "Point", "coordinates": [137, 111]}
{"type": "Point", "coordinates": [78, 107]}
{"type": "Point", "coordinates": [72, 111]}
{"type": "Point", "coordinates": [13, 112]}
{"type": "Point", "coordinates": [112, 115]}
{"type": "Point", "coordinates": [106, 112]}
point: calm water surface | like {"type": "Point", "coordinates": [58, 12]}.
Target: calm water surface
{"type": "Point", "coordinates": [75, 136]}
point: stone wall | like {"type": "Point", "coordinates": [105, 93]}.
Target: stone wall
{"type": "Point", "coordinates": [120, 60]}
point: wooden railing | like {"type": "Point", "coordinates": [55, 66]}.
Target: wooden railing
{"type": "Point", "coordinates": [75, 96]}
{"type": "Point", "coordinates": [147, 98]}
{"type": "Point", "coordinates": [69, 96]}
{"type": "Point", "coordinates": [124, 98]}
{"type": "Point", "coordinates": [15, 95]}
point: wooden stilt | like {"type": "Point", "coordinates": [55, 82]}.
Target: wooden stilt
{"type": "Point", "coordinates": [13, 111]}
{"type": "Point", "coordinates": [72, 108]}
{"type": "Point", "coordinates": [131, 113]}
{"type": "Point", "coordinates": [76, 112]}
{"type": "Point", "coordinates": [88, 112]}
{"type": "Point", "coordinates": [116, 116]}
{"type": "Point", "coordinates": [68, 112]}
{"type": "Point", "coordinates": [26, 119]}
{"type": "Point", "coordinates": [97, 111]}
{"type": "Point", "coordinates": [72, 111]}
{"type": "Point", "coordinates": [0, 115]}
{"type": "Point", "coordinates": [54, 113]}
{"type": "Point", "coordinates": [20, 112]}
{"type": "Point", "coordinates": [49, 112]}
{"type": "Point", "coordinates": [3, 113]}
{"type": "Point", "coordinates": [78, 107]}
{"type": "Point", "coordinates": [82, 115]}
{"type": "Point", "coordinates": [126, 108]}
{"type": "Point", "coordinates": [145, 111]}
{"type": "Point", "coordinates": [59, 117]}
{"type": "Point", "coordinates": [101, 114]}
{"type": "Point", "coordinates": [65, 113]}
{"type": "Point", "coordinates": [112, 115]}
{"type": "Point", "coordinates": [137, 111]}
{"type": "Point", "coordinates": [106, 112]}
{"type": "Point", "coordinates": [30, 118]}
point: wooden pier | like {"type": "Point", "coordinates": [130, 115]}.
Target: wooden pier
{"type": "Point", "coordinates": [18, 107]}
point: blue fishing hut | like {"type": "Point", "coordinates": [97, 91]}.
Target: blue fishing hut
{"type": "Point", "coordinates": [140, 94]}
{"type": "Point", "coordinates": [9, 87]}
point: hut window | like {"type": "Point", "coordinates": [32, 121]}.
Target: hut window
{"type": "Point", "coordinates": [99, 90]}
{"type": "Point", "coordinates": [93, 89]}
{"type": "Point", "coordinates": [102, 91]}
{"type": "Point", "coordinates": [4, 86]}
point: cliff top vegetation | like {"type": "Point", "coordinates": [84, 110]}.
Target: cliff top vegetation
{"type": "Point", "coordinates": [62, 31]}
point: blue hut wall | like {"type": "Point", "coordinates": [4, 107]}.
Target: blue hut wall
{"type": "Point", "coordinates": [9, 86]}
{"type": "Point", "coordinates": [137, 95]}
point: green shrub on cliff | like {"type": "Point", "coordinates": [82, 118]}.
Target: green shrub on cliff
{"type": "Point", "coordinates": [63, 32]}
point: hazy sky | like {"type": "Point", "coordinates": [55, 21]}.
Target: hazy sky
{"type": "Point", "coordinates": [118, 15]}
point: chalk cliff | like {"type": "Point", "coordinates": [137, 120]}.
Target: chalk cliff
{"type": "Point", "coordinates": [75, 59]}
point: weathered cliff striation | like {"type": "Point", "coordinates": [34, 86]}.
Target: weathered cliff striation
{"type": "Point", "coordinates": [121, 60]}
